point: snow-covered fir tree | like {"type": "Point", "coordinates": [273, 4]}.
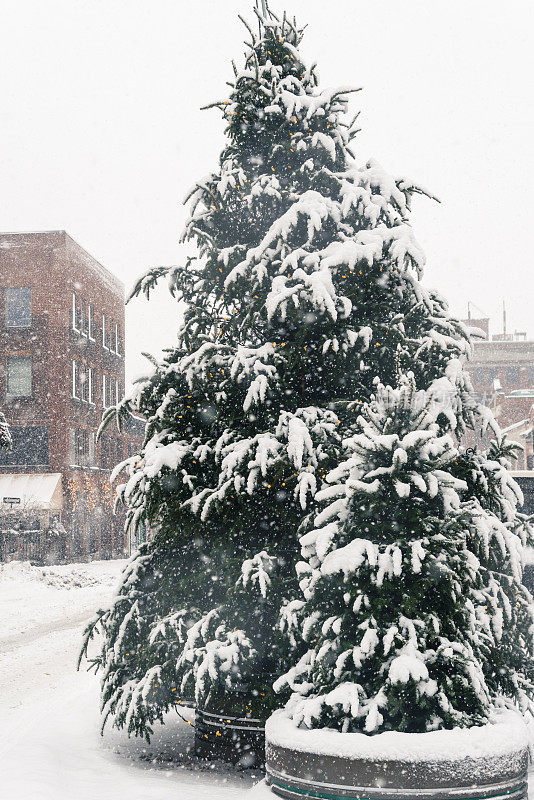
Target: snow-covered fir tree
{"type": "Point", "coordinates": [305, 287]}
{"type": "Point", "coordinates": [5, 434]}
{"type": "Point", "coordinates": [413, 607]}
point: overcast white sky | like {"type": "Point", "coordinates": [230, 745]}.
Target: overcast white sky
{"type": "Point", "coordinates": [101, 132]}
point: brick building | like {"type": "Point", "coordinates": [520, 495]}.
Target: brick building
{"type": "Point", "coordinates": [61, 365]}
{"type": "Point", "coordinates": [502, 373]}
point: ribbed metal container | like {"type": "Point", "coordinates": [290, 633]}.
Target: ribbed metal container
{"type": "Point", "coordinates": [229, 738]}
{"type": "Point", "coordinates": [292, 773]}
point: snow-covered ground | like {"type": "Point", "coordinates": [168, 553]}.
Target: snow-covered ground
{"type": "Point", "coordinates": [50, 745]}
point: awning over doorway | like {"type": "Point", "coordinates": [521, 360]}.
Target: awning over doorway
{"type": "Point", "coordinates": [31, 492]}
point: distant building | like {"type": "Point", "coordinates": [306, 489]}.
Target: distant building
{"type": "Point", "coordinates": [525, 479]}
{"type": "Point", "coordinates": [502, 374]}
{"type": "Point", "coordinates": [61, 364]}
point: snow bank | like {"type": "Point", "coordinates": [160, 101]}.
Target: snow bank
{"type": "Point", "coordinates": [34, 598]}
{"type": "Point", "coordinates": [68, 576]}
{"type": "Point", "coordinates": [507, 734]}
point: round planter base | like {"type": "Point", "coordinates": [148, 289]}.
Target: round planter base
{"type": "Point", "coordinates": [288, 786]}
{"type": "Point", "coordinates": [238, 740]}
{"type": "Point", "coordinates": [483, 763]}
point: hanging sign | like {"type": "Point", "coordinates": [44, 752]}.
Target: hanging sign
{"type": "Point", "coordinates": [13, 501]}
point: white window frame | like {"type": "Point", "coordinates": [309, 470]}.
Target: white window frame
{"type": "Point", "coordinates": [74, 305]}
{"type": "Point", "coordinates": [117, 338]}
{"type": "Point", "coordinates": [75, 374]}
{"type": "Point", "coordinates": [104, 345]}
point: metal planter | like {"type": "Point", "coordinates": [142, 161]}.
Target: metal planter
{"type": "Point", "coordinates": [295, 771]}
{"type": "Point", "coordinates": [226, 737]}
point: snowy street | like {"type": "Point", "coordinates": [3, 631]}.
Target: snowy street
{"type": "Point", "coordinates": [54, 748]}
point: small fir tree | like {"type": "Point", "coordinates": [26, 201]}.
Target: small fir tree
{"type": "Point", "coordinates": [305, 287]}
{"type": "Point", "coordinates": [413, 608]}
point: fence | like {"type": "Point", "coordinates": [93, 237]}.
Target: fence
{"type": "Point", "coordinates": [40, 547]}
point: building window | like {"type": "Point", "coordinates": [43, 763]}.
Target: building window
{"type": "Point", "coordinates": [110, 391]}
{"type": "Point", "coordinates": [109, 337]}
{"type": "Point", "coordinates": [478, 375]}
{"type": "Point", "coordinates": [104, 452]}
{"type": "Point", "coordinates": [84, 384]}
{"type": "Point", "coordinates": [30, 447]}
{"type": "Point", "coordinates": [19, 376]}
{"type": "Point", "coordinates": [83, 323]}
{"type": "Point", "coordinates": [90, 372]}
{"type": "Point", "coordinates": [512, 374]}
{"type": "Point", "coordinates": [530, 462]}
{"type": "Point", "coordinates": [117, 339]}
{"type": "Point", "coordinates": [90, 322]}
{"type": "Point", "coordinates": [87, 382]}
{"type": "Point", "coordinates": [104, 342]}
{"type": "Point", "coordinates": [19, 307]}
{"type": "Point", "coordinates": [76, 311]}
{"type": "Point", "coordinates": [110, 452]}
{"type": "Point", "coordinates": [75, 380]}
{"type": "Point", "coordinates": [81, 447]}
{"type": "Point", "coordinates": [92, 449]}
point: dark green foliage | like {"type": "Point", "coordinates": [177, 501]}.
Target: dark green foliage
{"type": "Point", "coordinates": [304, 289]}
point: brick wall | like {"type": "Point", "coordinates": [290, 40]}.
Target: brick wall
{"type": "Point", "coordinates": [56, 268]}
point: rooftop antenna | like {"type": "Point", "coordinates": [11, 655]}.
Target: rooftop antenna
{"type": "Point", "coordinates": [471, 305]}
